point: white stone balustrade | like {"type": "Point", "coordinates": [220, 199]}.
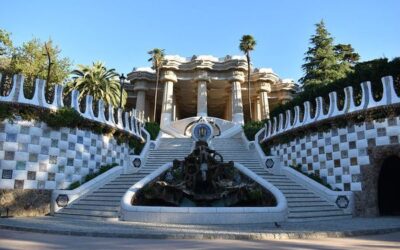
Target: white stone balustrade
{"type": "Point", "coordinates": [283, 123]}
{"type": "Point", "coordinates": [133, 120]}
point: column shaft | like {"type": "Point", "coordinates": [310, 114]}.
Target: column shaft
{"type": "Point", "coordinates": [166, 115]}
{"type": "Point", "coordinates": [237, 104]}
{"type": "Point", "coordinates": [202, 98]}
{"type": "Point", "coordinates": [140, 100]}
{"type": "Point", "coordinates": [264, 105]}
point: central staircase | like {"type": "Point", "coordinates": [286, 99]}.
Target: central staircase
{"type": "Point", "coordinates": [303, 203]}
{"type": "Point", "coordinates": [103, 203]}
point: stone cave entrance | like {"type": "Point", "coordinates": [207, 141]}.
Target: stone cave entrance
{"type": "Point", "coordinates": [389, 187]}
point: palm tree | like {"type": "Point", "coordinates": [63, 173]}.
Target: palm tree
{"type": "Point", "coordinates": [157, 58]}
{"type": "Point", "coordinates": [247, 44]}
{"type": "Point", "coordinates": [99, 82]}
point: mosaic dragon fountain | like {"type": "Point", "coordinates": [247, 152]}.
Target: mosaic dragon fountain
{"type": "Point", "coordinates": [203, 179]}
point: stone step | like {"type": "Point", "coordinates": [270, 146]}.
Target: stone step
{"type": "Point", "coordinates": [309, 204]}
{"type": "Point", "coordinates": [104, 198]}
{"type": "Point", "coordinates": [296, 214]}
{"type": "Point", "coordinates": [303, 199]}
{"type": "Point", "coordinates": [313, 209]}
{"type": "Point", "coordinates": [105, 189]}
{"type": "Point", "coordinates": [98, 203]}
{"type": "Point", "coordinates": [86, 217]}
{"type": "Point", "coordinates": [107, 208]}
{"type": "Point", "coordinates": [72, 211]}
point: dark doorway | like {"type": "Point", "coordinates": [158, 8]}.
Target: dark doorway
{"type": "Point", "coordinates": [389, 187]}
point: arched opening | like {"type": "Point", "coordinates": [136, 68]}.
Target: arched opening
{"type": "Point", "coordinates": [389, 187]}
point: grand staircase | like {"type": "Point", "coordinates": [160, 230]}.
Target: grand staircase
{"type": "Point", "coordinates": [104, 202]}
{"type": "Point", "coordinates": [303, 203]}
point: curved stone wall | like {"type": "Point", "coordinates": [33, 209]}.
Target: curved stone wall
{"type": "Point", "coordinates": [34, 156]}
{"type": "Point", "coordinates": [340, 154]}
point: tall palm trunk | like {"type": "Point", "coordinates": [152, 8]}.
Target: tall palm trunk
{"type": "Point", "coordinates": [248, 84]}
{"type": "Point", "coordinates": [155, 95]}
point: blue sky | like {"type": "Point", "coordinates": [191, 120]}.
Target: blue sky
{"type": "Point", "coordinates": [121, 32]}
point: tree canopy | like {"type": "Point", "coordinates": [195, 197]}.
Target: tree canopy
{"type": "Point", "coordinates": [99, 82]}
{"type": "Point", "coordinates": [32, 60]}
{"type": "Point", "coordinates": [326, 62]}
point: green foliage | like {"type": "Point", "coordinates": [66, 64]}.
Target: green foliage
{"type": "Point", "coordinates": [251, 128]}
{"type": "Point", "coordinates": [365, 71]}
{"type": "Point", "coordinates": [91, 176]}
{"type": "Point", "coordinates": [325, 62]}
{"type": "Point", "coordinates": [99, 82]}
{"type": "Point", "coordinates": [153, 128]}
{"type": "Point", "coordinates": [31, 60]}
{"type": "Point", "coordinates": [341, 121]}
{"type": "Point", "coordinates": [312, 176]}
{"type": "Point", "coordinates": [66, 117]}
{"type": "Point", "coordinates": [6, 44]}
{"type": "Point", "coordinates": [34, 59]}
{"type": "Point", "coordinates": [74, 185]}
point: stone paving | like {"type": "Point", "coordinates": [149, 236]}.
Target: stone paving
{"type": "Point", "coordinates": [288, 230]}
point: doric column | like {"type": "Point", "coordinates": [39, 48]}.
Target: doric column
{"type": "Point", "coordinates": [265, 88]}
{"type": "Point", "coordinates": [169, 78]}
{"type": "Point", "coordinates": [140, 89]}
{"type": "Point", "coordinates": [236, 80]}
{"type": "Point", "coordinates": [202, 79]}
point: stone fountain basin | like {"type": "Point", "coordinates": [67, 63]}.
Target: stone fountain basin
{"type": "Point", "coordinates": [203, 215]}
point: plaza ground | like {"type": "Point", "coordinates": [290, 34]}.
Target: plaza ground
{"type": "Point", "coordinates": [27, 240]}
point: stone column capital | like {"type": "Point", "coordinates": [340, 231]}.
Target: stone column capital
{"type": "Point", "coordinates": [265, 87]}
{"type": "Point", "coordinates": [202, 75]}
{"type": "Point", "coordinates": [140, 85]}
{"type": "Point", "coordinates": [168, 76]}
{"type": "Point", "coordinates": [236, 76]}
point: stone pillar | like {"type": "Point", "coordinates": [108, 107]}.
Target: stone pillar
{"type": "Point", "coordinates": [140, 89]}
{"type": "Point", "coordinates": [236, 80]}
{"type": "Point", "coordinates": [228, 109]}
{"type": "Point", "coordinates": [265, 88]}
{"type": "Point", "coordinates": [255, 109]}
{"type": "Point", "coordinates": [169, 78]}
{"type": "Point", "coordinates": [202, 80]}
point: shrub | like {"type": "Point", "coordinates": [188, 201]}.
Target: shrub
{"type": "Point", "coordinates": [251, 128]}
{"type": "Point", "coordinates": [74, 185]}
{"type": "Point", "coordinates": [91, 176]}
{"type": "Point", "coordinates": [64, 117]}
{"type": "Point", "coordinates": [312, 176]}
{"type": "Point", "coordinates": [153, 128]}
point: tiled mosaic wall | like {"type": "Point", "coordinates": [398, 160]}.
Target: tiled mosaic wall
{"type": "Point", "coordinates": [337, 155]}
{"type": "Point", "coordinates": [33, 156]}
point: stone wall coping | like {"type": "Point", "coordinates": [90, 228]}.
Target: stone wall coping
{"type": "Point", "coordinates": [282, 123]}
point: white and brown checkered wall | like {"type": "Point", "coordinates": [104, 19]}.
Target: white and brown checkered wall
{"type": "Point", "coordinates": [337, 155]}
{"type": "Point", "coordinates": [34, 156]}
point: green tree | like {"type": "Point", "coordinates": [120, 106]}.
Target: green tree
{"type": "Point", "coordinates": [157, 59]}
{"type": "Point", "coordinates": [99, 82]}
{"type": "Point", "coordinates": [325, 62]}
{"type": "Point", "coordinates": [32, 60]}
{"type": "Point", "coordinates": [247, 44]}
{"type": "Point", "coordinates": [6, 44]}
{"type": "Point", "coordinates": [6, 51]}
